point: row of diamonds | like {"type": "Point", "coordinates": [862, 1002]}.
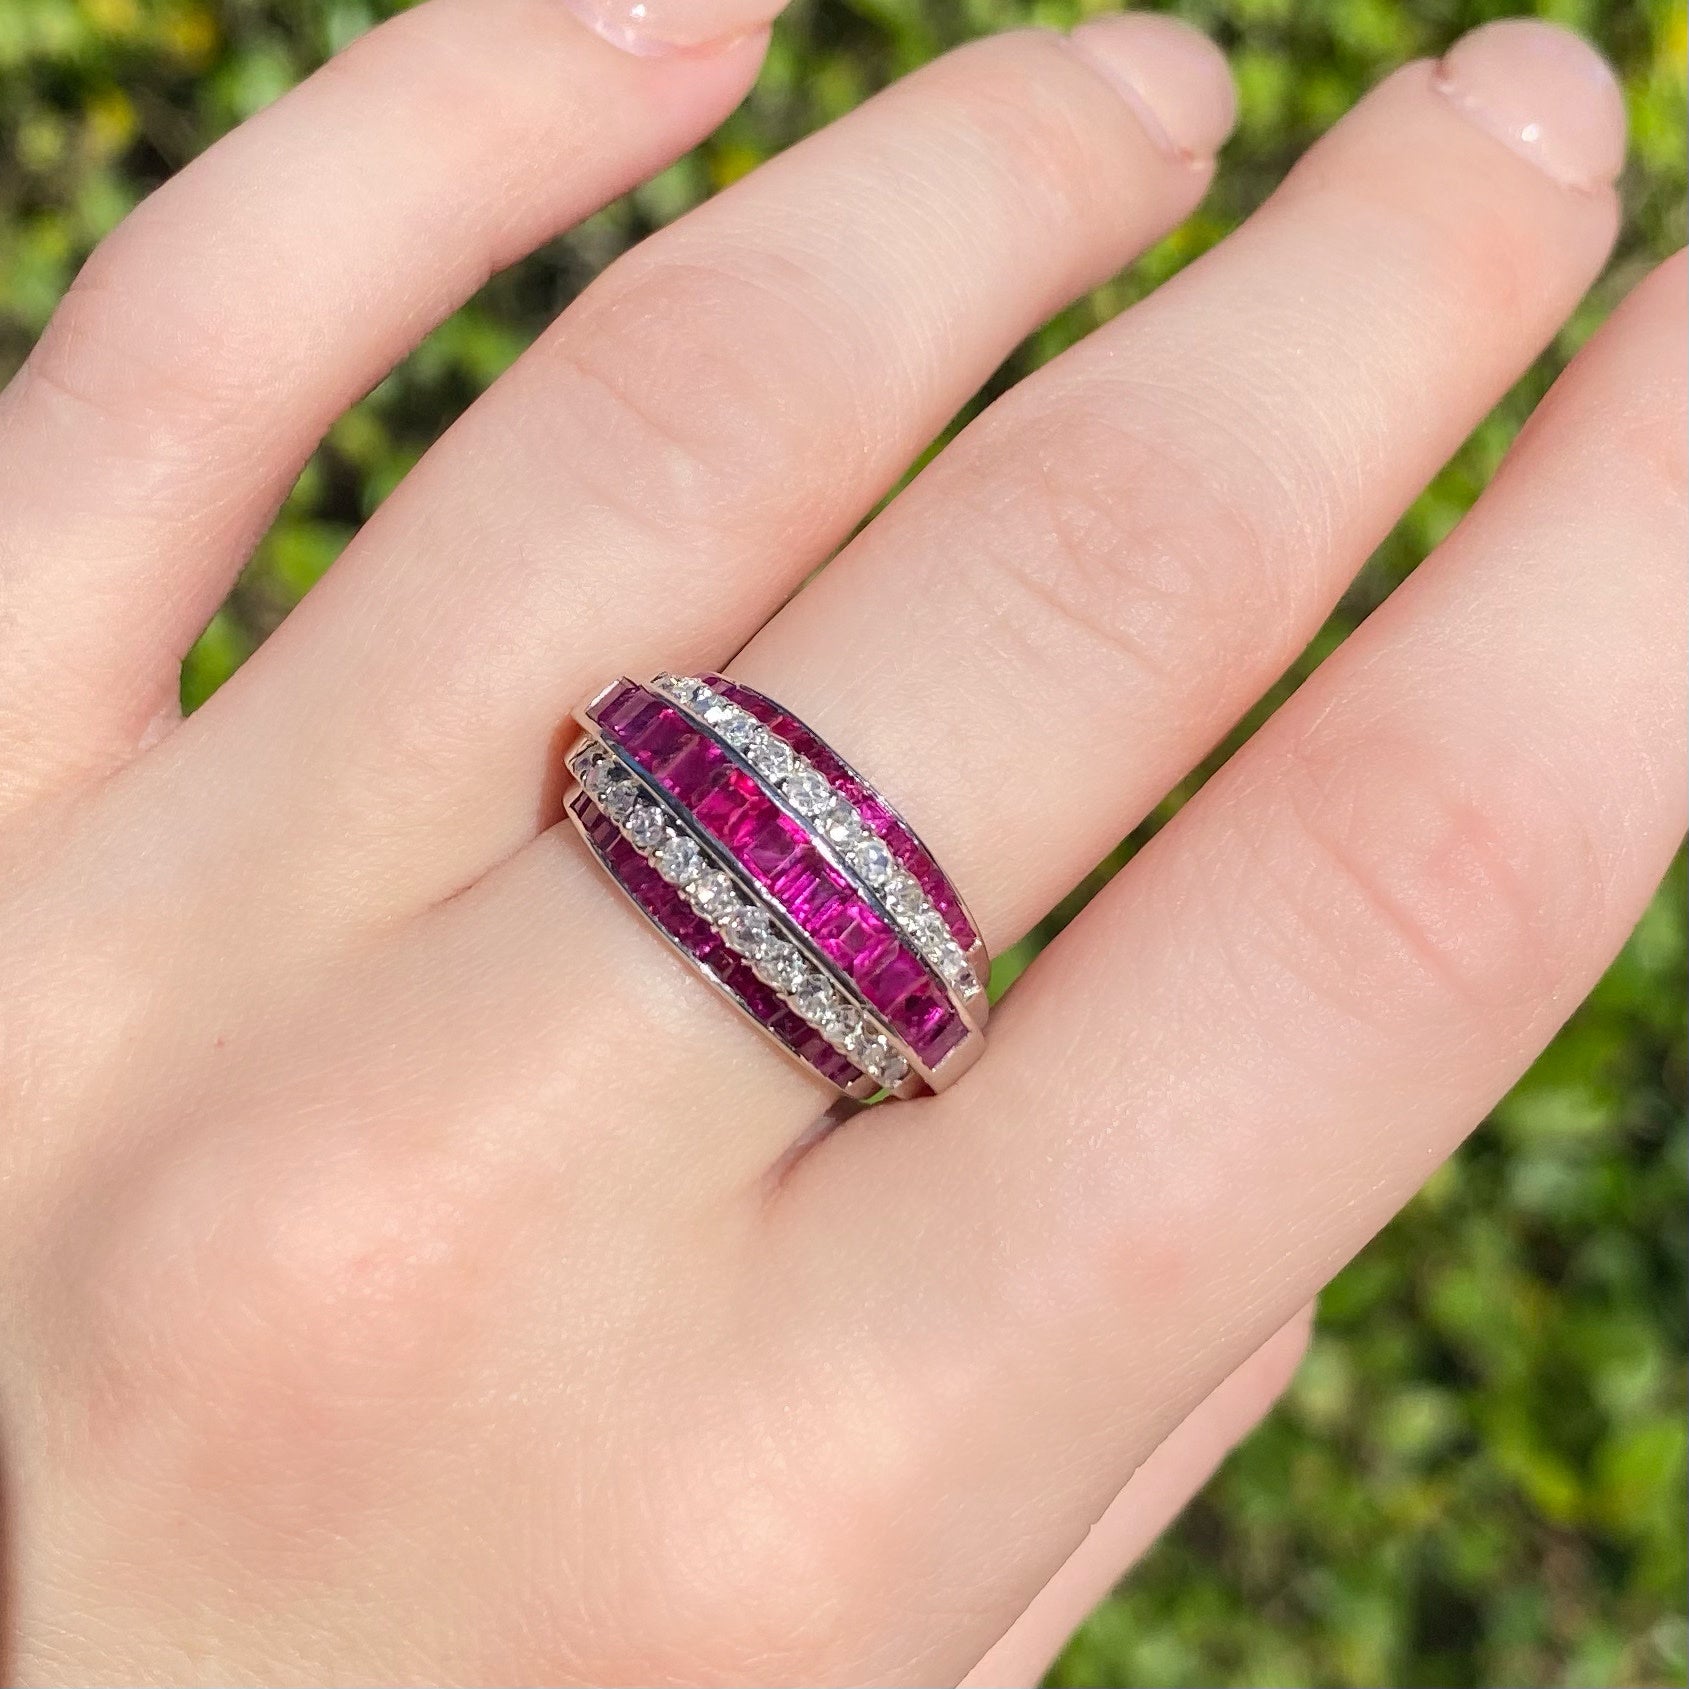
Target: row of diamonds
{"type": "Point", "coordinates": [705, 947]}
{"type": "Point", "coordinates": [837, 820]}
{"type": "Point", "coordinates": [744, 926]}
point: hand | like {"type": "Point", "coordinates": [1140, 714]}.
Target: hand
{"type": "Point", "coordinates": [406, 1273]}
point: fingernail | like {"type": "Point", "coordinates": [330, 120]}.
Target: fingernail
{"type": "Point", "coordinates": [1543, 92]}
{"type": "Point", "coordinates": [1175, 79]}
{"type": "Point", "coordinates": [661, 28]}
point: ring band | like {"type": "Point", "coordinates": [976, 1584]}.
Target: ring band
{"type": "Point", "coordinates": [784, 878]}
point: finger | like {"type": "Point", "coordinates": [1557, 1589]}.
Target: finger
{"type": "Point", "coordinates": [210, 341]}
{"type": "Point", "coordinates": [1123, 554]}
{"type": "Point", "coordinates": [1154, 1496]}
{"type": "Point", "coordinates": [1201, 479]}
{"type": "Point", "coordinates": [1268, 1030]}
{"type": "Point", "coordinates": [691, 438]}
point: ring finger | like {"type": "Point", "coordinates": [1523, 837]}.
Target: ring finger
{"type": "Point", "coordinates": [1111, 564]}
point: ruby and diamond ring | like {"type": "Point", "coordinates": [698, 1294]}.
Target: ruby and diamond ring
{"type": "Point", "coordinates": [773, 867]}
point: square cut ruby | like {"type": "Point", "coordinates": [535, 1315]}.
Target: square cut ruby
{"type": "Point", "coordinates": [772, 847]}
{"type": "Point", "coordinates": [806, 893]}
{"type": "Point", "coordinates": [621, 706]}
{"type": "Point", "coordinates": [654, 740]}
{"type": "Point", "coordinates": [896, 974]}
{"type": "Point", "coordinates": [689, 771]}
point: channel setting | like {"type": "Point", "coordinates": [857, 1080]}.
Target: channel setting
{"type": "Point", "coordinates": [784, 878]}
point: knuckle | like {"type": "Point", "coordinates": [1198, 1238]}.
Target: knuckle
{"type": "Point", "coordinates": [1399, 873]}
{"type": "Point", "coordinates": [702, 386]}
{"type": "Point", "coordinates": [163, 363]}
{"type": "Point", "coordinates": [1111, 552]}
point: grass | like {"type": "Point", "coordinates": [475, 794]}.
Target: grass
{"type": "Point", "coordinates": [1478, 1478]}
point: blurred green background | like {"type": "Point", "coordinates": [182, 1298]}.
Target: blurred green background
{"type": "Point", "coordinates": [1479, 1476]}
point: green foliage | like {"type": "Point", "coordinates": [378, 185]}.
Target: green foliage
{"type": "Point", "coordinates": [1479, 1477]}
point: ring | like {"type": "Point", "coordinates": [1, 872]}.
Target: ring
{"type": "Point", "coordinates": [784, 878]}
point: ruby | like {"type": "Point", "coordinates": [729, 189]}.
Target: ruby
{"type": "Point", "coordinates": [945, 1036]}
{"type": "Point", "coordinates": [676, 917]}
{"type": "Point", "coordinates": [806, 894]}
{"type": "Point", "coordinates": [629, 713]}
{"type": "Point", "coordinates": [853, 932]}
{"type": "Point", "coordinates": [771, 848]}
{"type": "Point", "coordinates": [657, 739]}
{"type": "Point", "coordinates": [692, 770]}
{"type": "Point", "coordinates": [624, 702]}
{"type": "Point", "coordinates": [893, 977]}
{"type": "Point", "coordinates": [717, 808]}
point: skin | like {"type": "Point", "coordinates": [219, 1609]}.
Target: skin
{"type": "Point", "coordinates": [406, 1277]}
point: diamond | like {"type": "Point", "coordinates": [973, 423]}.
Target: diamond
{"type": "Point", "coordinates": [904, 896]}
{"type": "Point", "coordinates": [841, 1025]}
{"type": "Point", "coordinates": [892, 1071]}
{"type": "Point", "coordinates": [929, 931]}
{"type": "Point", "coordinates": [781, 966]}
{"type": "Point", "coordinates": [645, 826]}
{"type": "Point", "coordinates": [953, 965]}
{"type": "Point", "coordinates": [736, 727]}
{"type": "Point", "coordinates": [868, 1050]}
{"type": "Point", "coordinates": [747, 930]}
{"type": "Point", "coordinates": [841, 825]}
{"type": "Point", "coordinates": [872, 860]}
{"type": "Point", "coordinates": [808, 791]}
{"type": "Point", "coordinates": [677, 859]}
{"type": "Point", "coordinates": [815, 1001]}
{"type": "Point", "coordinates": [769, 756]}
{"type": "Point", "coordinates": [712, 893]}
{"type": "Point", "coordinates": [682, 688]}
{"type": "Point", "coordinates": [617, 794]}
{"type": "Point", "coordinates": [589, 766]}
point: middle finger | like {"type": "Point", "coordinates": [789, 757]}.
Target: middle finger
{"type": "Point", "coordinates": [1070, 605]}
{"type": "Point", "coordinates": [1122, 555]}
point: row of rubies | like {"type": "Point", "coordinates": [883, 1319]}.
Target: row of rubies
{"type": "Point", "coordinates": [745, 927]}
{"type": "Point", "coordinates": [879, 817]}
{"type": "Point", "coordinates": [840, 822]}
{"type": "Point", "coordinates": [727, 801]}
{"type": "Point", "coordinates": [675, 918]}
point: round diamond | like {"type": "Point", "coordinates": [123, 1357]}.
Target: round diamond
{"type": "Point", "coordinates": [677, 860]}
{"type": "Point", "coordinates": [868, 1050]}
{"type": "Point", "coordinates": [892, 1071]}
{"type": "Point", "coordinates": [646, 826]}
{"type": "Point", "coordinates": [904, 896]}
{"type": "Point", "coordinates": [782, 967]}
{"type": "Point", "coordinates": [747, 930]}
{"type": "Point", "coordinates": [681, 687]}
{"type": "Point", "coordinates": [809, 791]}
{"type": "Point", "coordinates": [617, 794]}
{"type": "Point", "coordinates": [767, 755]}
{"type": "Point", "coordinates": [841, 824]}
{"type": "Point", "coordinates": [929, 931]}
{"type": "Point", "coordinates": [953, 965]}
{"type": "Point", "coordinates": [872, 860]}
{"type": "Point", "coordinates": [589, 768]}
{"type": "Point", "coordinates": [842, 1024]}
{"type": "Point", "coordinates": [712, 893]}
{"type": "Point", "coordinates": [815, 1002]}
{"type": "Point", "coordinates": [738, 728]}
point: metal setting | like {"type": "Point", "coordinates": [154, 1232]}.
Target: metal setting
{"type": "Point", "coordinates": [883, 987]}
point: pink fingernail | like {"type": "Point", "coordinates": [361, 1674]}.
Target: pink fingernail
{"type": "Point", "coordinates": [1543, 92]}
{"type": "Point", "coordinates": [661, 28]}
{"type": "Point", "coordinates": [1175, 80]}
